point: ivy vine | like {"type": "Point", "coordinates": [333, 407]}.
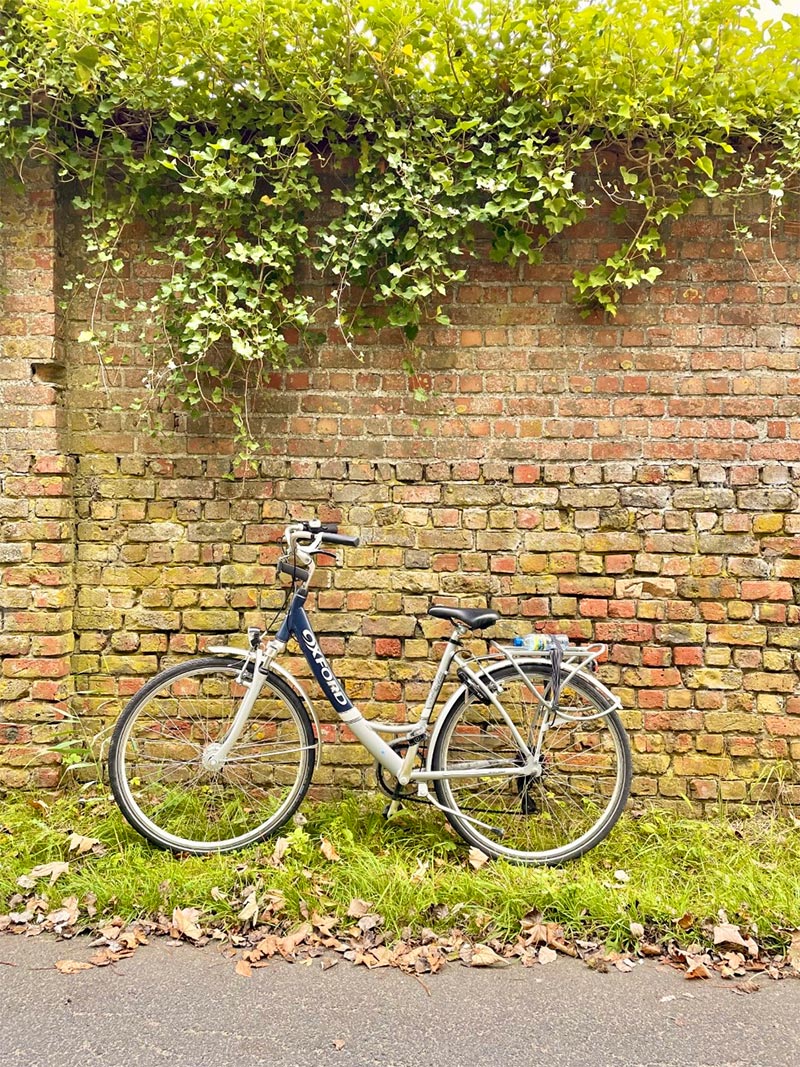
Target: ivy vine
{"type": "Point", "coordinates": [308, 168]}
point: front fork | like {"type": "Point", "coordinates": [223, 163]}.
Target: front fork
{"type": "Point", "coordinates": [215, 755]}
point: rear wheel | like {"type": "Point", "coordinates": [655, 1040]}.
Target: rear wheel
{"type": "Point", "coordinates": [571, 798]}
{"type": "Point", "coordinates": [165, 774]}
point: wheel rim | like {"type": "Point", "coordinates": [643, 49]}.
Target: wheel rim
{"type": "Point", "coordinates": [561, 808]}
{"type": "Point", "coordinates": [172, 780]}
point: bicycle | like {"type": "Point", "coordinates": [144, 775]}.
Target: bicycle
{"type": "Point", "coordinates": [528, 758]}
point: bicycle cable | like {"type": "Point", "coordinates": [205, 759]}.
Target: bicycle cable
{"type": "Point", "coordinates": [271, 623]}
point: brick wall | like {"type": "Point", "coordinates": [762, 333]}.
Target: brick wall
{"type": "Point", "coordinates": [633, 480]}
{"type": "Point", "coordinates": [36, 532]}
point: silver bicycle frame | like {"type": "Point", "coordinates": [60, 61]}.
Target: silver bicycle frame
{"type": "Point", "coordinates": [368, 732]}
{"type": "Point", "coordinates": [297, 624]}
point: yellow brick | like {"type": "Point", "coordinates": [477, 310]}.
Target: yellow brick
{"type": "Point", "coordinates": [695, 765]}
{"type": "Point", "coordinates": [211, 621]}
{"type": "Point", "coordinates": [767, 523]}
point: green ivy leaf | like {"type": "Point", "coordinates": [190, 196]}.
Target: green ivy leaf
{"type": "Point", "coordinates": [371, 147]}
{"type": "Point", "coordinates": [87, 57]}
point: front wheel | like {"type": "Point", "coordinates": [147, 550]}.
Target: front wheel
{"type": "Point", "coordinates": [166, 774]}
{"type": "Point", "coordinates": [567, 803]}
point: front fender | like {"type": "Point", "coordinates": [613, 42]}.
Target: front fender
{"type": "Point", "coordinates": [285, 676]}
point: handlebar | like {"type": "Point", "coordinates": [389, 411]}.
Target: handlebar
{"type": "Point", "coordinates": [340, 539]}
{"type": "Point", "coordinates": [327, 533]}
{"type": "Point", "coordinates": [303, 541]}
{"type": "Point", "coordinates": [297, 574]}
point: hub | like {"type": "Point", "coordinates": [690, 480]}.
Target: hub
{"type": "Point", "coordinates": [212, 758]}
{"type": "Point", "coordinates": [525, 789]}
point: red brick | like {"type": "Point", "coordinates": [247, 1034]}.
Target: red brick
{"type": "Point", "coordinates": [595, 609]}
{"type": "Point", "coordinates": [688, 655]}
{"type": "Point", "coordinates": [767, 591]}
{"type": "Point", "coordinates": [388, 646]}
{"type": "Point", "coordinates": [527, 474]}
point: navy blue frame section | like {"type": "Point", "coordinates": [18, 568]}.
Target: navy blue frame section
{"type": "Point", "coordinates": [298, 625]}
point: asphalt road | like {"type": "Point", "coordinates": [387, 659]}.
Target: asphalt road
{"type": "Point", "coordinates": [186, 1007]}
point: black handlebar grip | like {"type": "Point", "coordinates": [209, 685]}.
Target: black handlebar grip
{"type": "Point", "coordinates": [297, 573]}
{"type": "Point", "coordinates": [340, 539]}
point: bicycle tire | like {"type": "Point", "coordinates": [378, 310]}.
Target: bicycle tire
{"type": "Point", "coordinates": [532, 810]}
{"type": "Point", "coordinates": [172, 722]}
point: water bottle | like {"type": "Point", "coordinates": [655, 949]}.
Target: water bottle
{"type": "Point", "coordinates": [539, 642]}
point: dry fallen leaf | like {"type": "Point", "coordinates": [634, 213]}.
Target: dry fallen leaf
{"type": "Point", "coordinates": [80, 844]}
{"type": "Point", "coordinates": [328, 851]}
{"type": "Point", "coordinates": [273, 903]}
{"type": "Point", "coordinates": [747, 986]}
{"type": "Point", "coordinates": [19, 918]}
{"type": "Point", "coordinates": [477, 858]}
{"type": "Point", "coordinates": [52, 871]}
{"type": "Point", "coordinates": [287, 946]}
{"type": "Point", "coordinates": [72, 966]}
{"type": "Point", "coordinates": [66, 915]}
{"type": "Point", "coordinates": [637, 930]}
{"type": "Point", "coordinates": [369, 922]}
{"type": "Point", "coordinates": [547, 955]}
{"type": "Point", "coordinates": [280, 850]}
{"type": "Point", "coordinates": [696, 969]}
{"type": "Point", "coordinates": [105, 956]}
{"type": "Point", "coordinates": [324, 924]}
{"type": "Point", "coordinates": [483, 956]}
{"type": "Point", "coordinates": [184, 920]}
{"type": "Point", "coordinates": [358, 907]}
{"type": "Point", "coordinates": [244, 969]}
{"type": "Point", "coordinates": [420, 872]}
{"type": "Point", "coordinates": [728, 937]}
{"type": "Point", "coordinates": [381, 957]}
{"type": "Point", "coordinates": [250, 910]}
{"type": "Point", "coordinates": [267, 946]}
{"type": "Point", "coordinates": [648, 949]}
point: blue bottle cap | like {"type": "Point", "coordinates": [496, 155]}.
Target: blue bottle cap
{"type": "Point", "coordinates": [518, 642]}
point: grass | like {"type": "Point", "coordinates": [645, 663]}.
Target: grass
{"type": "Point", "coordinates": [415, 874]}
